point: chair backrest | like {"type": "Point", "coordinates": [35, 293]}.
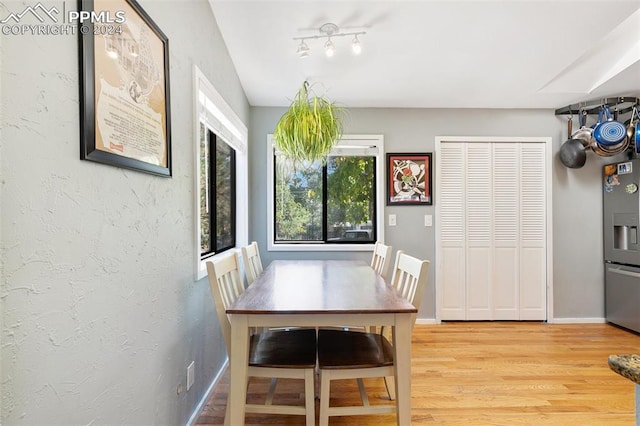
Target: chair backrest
{"type": "Point", "coordinates": [381, 259]}
{"type": "Point", "coordinates": [410, 278]}
{"type": "Point", "coordinates": [251, 261]}
{"type": "Point", "coordinates": [226, 286]}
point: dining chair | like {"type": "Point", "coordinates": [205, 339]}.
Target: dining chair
{"type": "Point", "coordinates": [251, 261]}
{"type": "Point", "coordinates": [272, 354]}
{"type": "Point", "coordinates": [356, 355]}
{"type": "Point", "coordinates": [381, 259]}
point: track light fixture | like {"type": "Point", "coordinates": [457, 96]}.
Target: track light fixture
{"type": "Point", "coordinates": [329, 30]}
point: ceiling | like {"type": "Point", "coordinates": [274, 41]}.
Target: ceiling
{"type": "Point", "coordinates": [437, 54]}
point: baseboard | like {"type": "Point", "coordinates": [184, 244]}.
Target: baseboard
{"type": "Point", "coordinates": [433, 321]}
{"type": "Point", "coordinates": [428, 321]}
{"type": "Point", "coordinates": [194, 416]}
{"type": "Point", "coordinates": [577, 321]}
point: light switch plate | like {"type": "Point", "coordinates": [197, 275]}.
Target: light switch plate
{"type": "Point", "coordinates": [392, 220]}
{"type": "Point", "coordinates": [191, 374]}
{"type": "Point", "coordinates": [428, 220]}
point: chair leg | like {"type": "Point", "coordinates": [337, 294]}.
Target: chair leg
{"type": "Point", "coordinates": [325, 383]}
{"type": "Point", "coordinates": [309, 396]}
{"type": "Point", "coordinates": [363, 392]}
{"type": "Point", "coordinates": [272, 391]}
{"type": "Point", "coordinates": [226, 412]}
{"type": "Point", "coordinates": [390, 384]}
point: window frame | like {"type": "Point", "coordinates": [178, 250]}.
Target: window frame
{"type": "Point", "coordinates": [375, 143]}
{"type": "Point", "coordinates": [212, 111]}
{"type": "Point", "coordinates": [212, 140]}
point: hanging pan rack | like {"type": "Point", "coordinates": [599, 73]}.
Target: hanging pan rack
{"type": "Point", "coordinates": [620, 104]}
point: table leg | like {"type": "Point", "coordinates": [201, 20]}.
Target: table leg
{"type": "Point", "coordinates": [402, 357]}
{"type": "Point", "coordinates": [238, 360]}
{"type": "Point", "coordinates": [637, 405]}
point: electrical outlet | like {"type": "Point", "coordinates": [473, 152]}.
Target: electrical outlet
{"type": "Point", "coordinates": [392, 220]}
{"type": "Point", "coordinates": [428, 220]}
{"type": "Point", "coordinates": [191, 376]}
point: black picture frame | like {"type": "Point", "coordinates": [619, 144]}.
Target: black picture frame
{"type": "Point", "coordinates": [409, 179]}
{"type": "Point", "coordinates": [125, 118]}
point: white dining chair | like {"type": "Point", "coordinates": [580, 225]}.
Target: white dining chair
{"type": "Point", "coordinates": [381, 259]}
{"type": "Point", "coordinates": [272, 354]}
{"type": "Point", "coordinates": [251, 261]}
{"type": "Point", "coordinates": [356, 355]}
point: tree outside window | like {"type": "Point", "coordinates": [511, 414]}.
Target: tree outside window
{"type": "Point", "coordinates": [217, 194]}
{"type": "Point", "coordinates": [327, 203]}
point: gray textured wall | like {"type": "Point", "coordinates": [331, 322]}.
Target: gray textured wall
{"type": "Point", "coordinates": [577, 194]}
{"type": "Point", "coordinates": [100, 312]}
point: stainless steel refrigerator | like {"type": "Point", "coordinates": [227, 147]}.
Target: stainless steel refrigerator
{"type": "Point", "coordinates": [621, 243]}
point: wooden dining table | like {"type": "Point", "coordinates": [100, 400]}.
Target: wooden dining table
{"type": "Point", "coordinates": [316, 293]}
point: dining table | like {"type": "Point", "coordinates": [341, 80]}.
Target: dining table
{"type": "Point", "coordinates": [319, 293]}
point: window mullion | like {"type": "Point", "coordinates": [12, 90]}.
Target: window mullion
{"type": "Point", "coordinates": [213, 222]}
{"type": "Point", "coordinates": [325, 197]}
{"type": "Point", "coordinates": [233, 195]}
{"type": "Point", "coordinates": [374, 202]}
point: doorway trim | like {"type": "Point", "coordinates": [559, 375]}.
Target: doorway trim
{"type": "Point", "coordinates": [548, 201]}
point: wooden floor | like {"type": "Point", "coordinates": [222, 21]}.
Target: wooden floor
{"type": "Point", "coordinates": [488, 373]}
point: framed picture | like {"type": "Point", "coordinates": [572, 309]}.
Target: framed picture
{"type": "Point", "coordinates": [409, 179]}
{"type": "Point", "coordinates": [124, 88]}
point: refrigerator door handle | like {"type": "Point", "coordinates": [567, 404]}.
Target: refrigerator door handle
{"type": "Point", "coordinates": [623, 272]}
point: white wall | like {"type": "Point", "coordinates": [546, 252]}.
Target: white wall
{"type": "Point", "coordinates": [100, 311]}
{"type": "Point", "coordinates": [577, 194]}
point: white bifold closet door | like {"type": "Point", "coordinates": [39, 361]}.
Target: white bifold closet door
{"type": "Point", "coordinates": [492, 231]}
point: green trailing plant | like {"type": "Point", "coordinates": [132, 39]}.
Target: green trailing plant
{"type": "Point", "coordinates": [309, 129]}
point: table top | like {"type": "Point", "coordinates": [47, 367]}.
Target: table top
{"type": "Point", "coordinates": [319, 287]}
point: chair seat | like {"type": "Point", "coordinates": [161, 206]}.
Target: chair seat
{"type": "Point", "coordinates": [284, 349]}
{"type": "Point", "coordinates": [339, 349]}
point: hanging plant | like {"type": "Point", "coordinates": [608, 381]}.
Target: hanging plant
{"type": "Point", "coordinates": [309, 129]}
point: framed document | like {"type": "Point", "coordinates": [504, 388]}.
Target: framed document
{"type": "Point", "coordinates": [124, 88]}
{"type": "Point", "coordinates": [409, 179]}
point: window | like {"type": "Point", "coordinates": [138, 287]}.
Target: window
{"type": "Point", "coordinates": [221, 184]}
{"type": "Point", "coordinates": [217, 194]}
{"type": "Point", "coordinates": [331, 206]}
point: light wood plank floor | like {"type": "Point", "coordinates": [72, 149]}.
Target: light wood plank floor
{"type": "Point", "coordinates": [488, 373]}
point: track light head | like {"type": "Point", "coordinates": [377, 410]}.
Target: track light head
{"type": "Point", "coordinates": [329, 48]}
{"type": "Point", "coordinates": [356, 46]}
{"type": "Point", "coordinates": [303, 49]}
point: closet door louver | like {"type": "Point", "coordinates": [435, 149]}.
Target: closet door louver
{"type": "Point", "coordinates": [479, 230]}
{"type": "Point", "coordinates": [506, 201]}
{"type": "Point", "coordinates": [533, 235]}
{"type": "Point", "coordinates": [452, 230]}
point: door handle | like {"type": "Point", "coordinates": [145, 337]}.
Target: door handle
{"type": "Point", "coordinates": [623, 272]}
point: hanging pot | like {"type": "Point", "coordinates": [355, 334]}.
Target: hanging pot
{"type": "Point", "coordinates": [584, 133]}
{"type": "Point", "coordinates": [573, 154]}
{"type": "Point", "coordinates": [609, 132]}
{"type": "Point", "coordinates": [570, 134]}
{"type": "Point", "coordinates": [610, 151]}
{"type": "Point", "coordinates": [631, 127]}
{"type": "Point", "coordinates": [634, 129]}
